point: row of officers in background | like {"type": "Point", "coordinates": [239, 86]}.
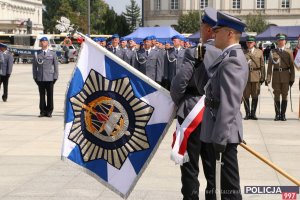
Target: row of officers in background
{"type": "Point", "coordinates": [162, 64]}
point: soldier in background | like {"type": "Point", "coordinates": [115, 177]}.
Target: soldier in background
{"type": "Point", "coordinates": [45, 74]}
{"type": "Point", "coordinates": [256, 77]}
{"type": "Point", "coordinates": [102, 42]}
{"type": "Point", "coordinates": [150, 61]}
{"type": "Point", "coordinates": [173, 60]}
{"type": "Point", "coordinates": [115, 48]}
{"type": "Point", "coordinates": [6, 66]}
{"type": "Point", "coordinates": [123, 43]}
{"type": "Point", "coordinates": [281, 71]}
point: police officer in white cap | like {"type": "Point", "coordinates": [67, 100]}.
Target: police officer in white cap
{"type": "Point", "coordinates": [45, 74]}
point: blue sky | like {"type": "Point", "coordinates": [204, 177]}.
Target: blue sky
{"type": "Point", "coordinates": [120, 5]}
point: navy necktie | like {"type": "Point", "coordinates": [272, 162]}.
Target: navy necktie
{"type": "Point", "coordinates": [147, 53]}
{"type": "Point", "coordinates": [176, 51]}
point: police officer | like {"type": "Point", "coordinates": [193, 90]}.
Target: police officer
{"type": "Point", "coordinates": [128, 54]}
{"type": "Point", "coordinates": [173, 60]}
{"type": "Point", "coordinates": [283, 75]}
{"type": "Point", "coordinates": [222, 122]}
{"type": "Point", "coordinates": [6, 66]}
{"type": "Point", "coordinates": [115, 48]}
{"type": "Point", "coordinates": [45, 74]}
{"type": "Point", "coordinates": [150, 61]}
{"type": "Point", "coordinates": [255, 59]}
{"type": "Point", "coordinates": [185, 96]}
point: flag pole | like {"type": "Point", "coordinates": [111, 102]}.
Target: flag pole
{"type": "Point", "coordinates": [268, 162]}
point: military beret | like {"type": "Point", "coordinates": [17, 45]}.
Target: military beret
{"type": "Point", "coordinates": [115, 36]}
{"type": "Point", "coordinates": [153, 37]}
{"type": "Point", "coordinates": [130, 38]}
{"type": "Point", "coordinates": [250, 38]}
{"type": "Point", "coordinates": [281, 36]}
{"type": "Point", "coordinates": [226, 20]}
{"type": "Point", "coordinates": [96, 39]}
{"type": "Point", "coordinates": [210, 16]}
{"type": "Point", "coordinates": [176, 37]}
{"type": "Point", "coordinates": [43, 39]}
{"type": "Point", "coordinates": [3, 45]}
{"type": "Point", "coordinates": [102, 39]}
{"type": "Point", "coordinates": [147, 38]}
{"type": "Point", "coordinates": [122, 39]}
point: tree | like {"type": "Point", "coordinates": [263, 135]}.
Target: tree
{"type": "Point", "coordinates": [189, 23]}
{"type": "Point", "coordinates": [256, 22]}
{"type": "Point", "coordinates": [103, 19]}
{"type": "Point", "coordinates": [132, 15]}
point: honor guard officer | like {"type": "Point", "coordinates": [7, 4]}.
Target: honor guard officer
{"type": "Point", "coordinates": [102, 42]}
{"type": "Point", "coordinates": [222, 122]}
{"type": "Point", "coordinates": [173, 61]}
{"type": "Point", "coordinates": [6, 66]}
{"type": "Point", "coordinates": [45, 74]}
{"type": "Point", "coordinates": [255, 59]}
{"type": "Point", "coordinates": [283, 75]}
{"type": "Point", "coordinates": [149, 61]}
{"type": "Point", "coordinates": [115, 48]}
{"type": "Point", "coordinates": [185, 96]}
{"type": "Point", "coordinates": [128, 54]}
{"type": "Point", "coordinates": [154, 43]}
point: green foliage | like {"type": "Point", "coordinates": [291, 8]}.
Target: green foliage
{"type": "Point", "coordinates": [189, 23]}
{"type": "Point", "coordinates": [103, 19]}
{"type": "Point", "coordinates": [132, 15]}
{"type": "Point", "coordinates": [256, 22]}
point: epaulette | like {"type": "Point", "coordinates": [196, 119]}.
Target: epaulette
{"type": "Point", "coordinates": [232, 53]}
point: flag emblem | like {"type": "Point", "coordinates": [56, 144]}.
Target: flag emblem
{"type": "Point", "coordinates": [109, 121]}
{"type": "Point", "coordinates": [115, 118]}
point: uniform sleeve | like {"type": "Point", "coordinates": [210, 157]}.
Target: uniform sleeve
{"type": "Point", "coordinates": [1, 58]}
{"type": "Point", "coordinates": [262, 67]}
{"type": "Point", "coordinates": [292, 68]}
{"type": "Point", "coordinates": [34, 67]}
{"type": "Point", "coordinates": [55, 63]}
{"type": "Point", "coordinates": [166, 65]}
{"type": "Point", "coordinates": [269, 70]}
{"type": "Point", "coordinates": [182, 78]}
{"type": "Point", "coordinates": [232, 79]}
{"type": "Point", "coordinates": [160, 67]}
{"type": "Point", "coordinates": [10, 63]}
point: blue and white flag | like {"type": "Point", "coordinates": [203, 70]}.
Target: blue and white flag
{"type": "Point", "coordinates": [115, 118]}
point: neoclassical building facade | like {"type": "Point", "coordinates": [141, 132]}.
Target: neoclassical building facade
{"type": "Point", "coordinates": [15, 13]}
{"type": "Point", "coordinates": [278, 12]}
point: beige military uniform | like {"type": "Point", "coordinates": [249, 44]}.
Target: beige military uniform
{"type": "Point", "coordinates": [281, 70]}
{"type": "Point", "coordinates": [256, 66]}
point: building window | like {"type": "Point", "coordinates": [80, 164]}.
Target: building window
{"type": "Point", "coordinates": [174, 5]}
{"type": "Point", "coordinates": [260, 4]}
{"type": "Point", "coordinates": [156, 4]}
{"type": "Point", "coordinates": [236, 4]}
{"type": "Point", "coordinates": [285, 3]}
{"type": "Point", "coordinates": [203, 4]}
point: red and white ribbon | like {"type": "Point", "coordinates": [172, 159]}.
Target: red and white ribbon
{"type": "Point", "coordinates": [180, 137]}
